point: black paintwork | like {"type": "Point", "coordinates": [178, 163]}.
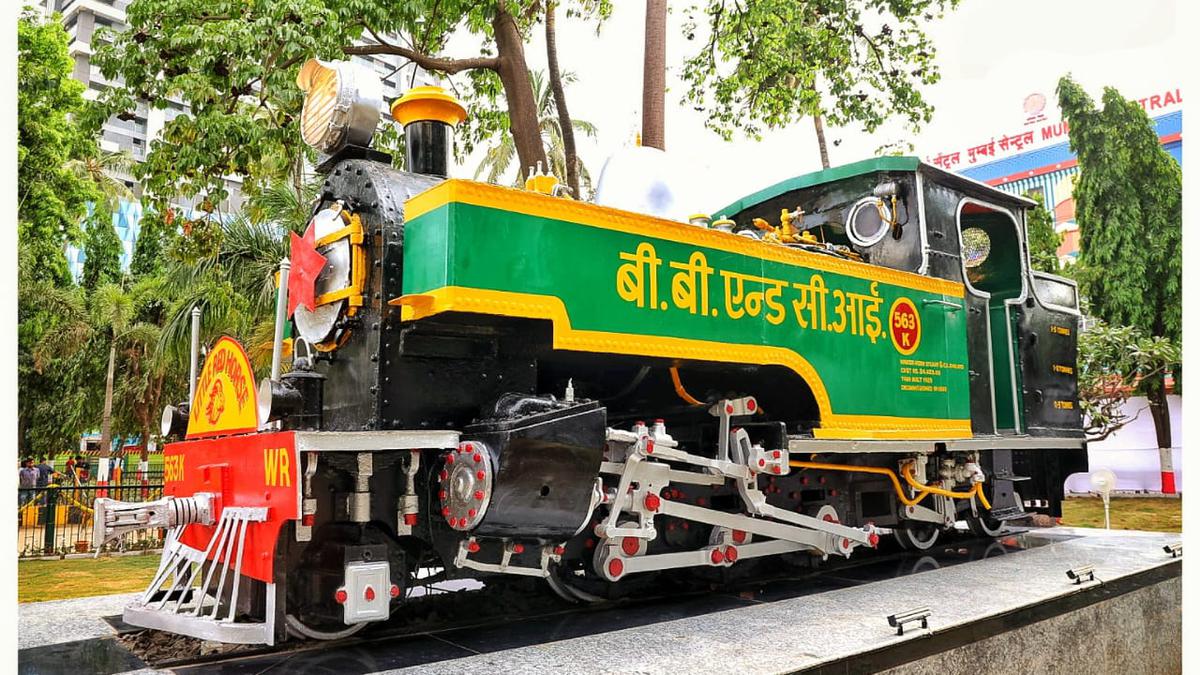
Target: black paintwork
{"type": "Point", "coordinates": [547, 456]}
{"type": "Point", "coordinates": [427, 147]}
{"type": "Point", "coordinates": [1051, 393]}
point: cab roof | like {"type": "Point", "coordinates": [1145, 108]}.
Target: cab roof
{"type": "Point", "coordinates": [872, 165]}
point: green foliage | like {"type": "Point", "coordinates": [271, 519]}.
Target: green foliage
{"type": "Point", "coordinates": [155, 236]}
{"type": "Point", "coordinates": [1114, 361]}
{"type": "Point", "coordinates": [55, 395]}
{"type": "Point", "coordinates": [102, 254]}
{"type": "Point", "coordinates": [771, 62]}
{"type": "Point", "coordinates": [1128, 202]}
{"type": "Point", "coordinates": [1043, 240]}
{"type": "Point", "coordinates": [234, 62]}
{"type": "Point", "coordinates": [500, 156]}
{"type": "Point", "coordinates": [52, 198]}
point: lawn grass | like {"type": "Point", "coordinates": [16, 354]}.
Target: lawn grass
{"type": "Point", "coordinates": [39, 580]}
{"type": "Point", "coordinates": [1155, 514]}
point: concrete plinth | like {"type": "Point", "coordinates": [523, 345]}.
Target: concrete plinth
{"type": "Point", "coordinates": [1012, 613]}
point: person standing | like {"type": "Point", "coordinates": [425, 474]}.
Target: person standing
{"type": "Point", "coordinates": [45, 472]}
{"type": "Point", "coordinates": [71, 475]}
{"type": "Point", "coordinates": [28, 477]}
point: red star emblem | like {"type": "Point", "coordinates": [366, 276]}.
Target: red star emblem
{"type": "Point", "coordinates": [306, 265]}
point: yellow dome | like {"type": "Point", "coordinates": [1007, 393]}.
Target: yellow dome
{"type": "Point", "coordinates": [428, 103]}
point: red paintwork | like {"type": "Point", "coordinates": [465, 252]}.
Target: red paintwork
{"type": "Point", "coordinates": [306, 267]}
{"type": "Point", "coordinates": [235, 469]}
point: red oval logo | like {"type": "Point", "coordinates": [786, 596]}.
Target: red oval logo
{"type": "Point", "coordinates": [905, 325]}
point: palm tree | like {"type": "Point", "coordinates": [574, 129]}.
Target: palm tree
{"type": "Point", "coordinates": [103, 170]}
{"type": "Point", "coordinates": [234, 286]}
{"type": "Point", "coordinates": [560, 101]}
{"type": "Point", "coordinates": [500, 156]}
{"type": "Point", "coordinates": [112, 318]}
{"type": "Point", "coordinates": [654, 75]}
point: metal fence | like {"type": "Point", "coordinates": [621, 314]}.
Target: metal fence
{"type": "Point", "coordinates": [57, 520]}
{"type": "Point", "coordinates": [127, 478]}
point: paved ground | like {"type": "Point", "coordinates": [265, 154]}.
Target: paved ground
{"type": "Point", "coordinates": [818, 626]}
{"type": "Point", "coordinates": [60, 621]}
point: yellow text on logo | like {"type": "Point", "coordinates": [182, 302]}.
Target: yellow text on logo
{"type": "Point", "coordinates": [277, 466]}
{"type": "Point", "coordinates": [173, 468]}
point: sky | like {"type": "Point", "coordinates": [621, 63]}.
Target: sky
{"type": "Point", "coordinates": [992, 55]}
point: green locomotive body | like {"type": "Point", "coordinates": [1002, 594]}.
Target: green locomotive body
{"type": "Point", "coordinates": [491, 381]}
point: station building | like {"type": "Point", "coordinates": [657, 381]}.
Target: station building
{"type": "Point", "coordinates": [1037, 159]}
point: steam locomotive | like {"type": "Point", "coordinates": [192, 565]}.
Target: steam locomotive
{"type": "Point", "coordinates": [495, 381]}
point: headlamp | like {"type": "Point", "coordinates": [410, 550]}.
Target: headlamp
{"type": "Point", "coordinates": [342, 103]}
{"type": "Point", "coordinates": [174, 420]}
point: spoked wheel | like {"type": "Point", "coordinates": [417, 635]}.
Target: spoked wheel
{"type": "Point", "coordinates": [917, 537]}
{"type": "Point", "coordinates": [314, 611]}
{"type": "Point", "coordinates": [299, 629]}
{"type": "Point", "coordinates": [981, 523]}
{"type": "Point", "coordinates": [566, 590]}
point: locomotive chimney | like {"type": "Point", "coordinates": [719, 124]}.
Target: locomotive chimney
{"type": "Point", "coordinates": [427, 114]}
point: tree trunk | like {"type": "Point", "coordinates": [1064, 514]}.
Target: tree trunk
{"type": "Point", "coordinates": [654, 75]}
{"type": "Point", "coordinates": [1156, 394]}
{"type": "Point", "coordinates": [560, 103]}
{"type": "Point", "coordinates": [106, 421]}
{"type": "Point", "coordinates": [522, 109]}
{"type": "Point", "coordinates": [819, 126]}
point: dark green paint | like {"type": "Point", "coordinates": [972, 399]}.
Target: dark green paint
{"type": "Point", "coordinates": [478, 247]}
{"type": "Point", "coordinates": [818, 177]}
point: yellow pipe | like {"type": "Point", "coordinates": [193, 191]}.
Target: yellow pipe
{"type": "Point", "coordinates": [683, 393]}
{"type": "Point", "coordinates": [883, 471]}
{"type": "Point", "coordinates": [976, 491]}
{"type": "Point", "coordinates": [922, 490]}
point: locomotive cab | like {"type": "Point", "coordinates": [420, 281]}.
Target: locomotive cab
{"type": "Point", "coordinates": [1021, 325]}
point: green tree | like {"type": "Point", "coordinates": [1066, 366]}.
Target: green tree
{"type": "Point", "coordinates": [235, 64]}
{"type": "Point", "coordinates": [499, 157]}
{"type": "Point", "coordinates": [1128, 203]}
{"type": "Point", "coordinates": [1043, 240]}
{"type": "Point", "coordinates": [52, 197]}
{"type": "Point", "coordinates": [155, 235]}
{"type": "Point", "coordinates": [102, 351]}
{"type": "Point", "coordinates": [772, 62]}
{"type": "Point", "coordinates": [56, 395]}
{"type": "Point", "coordinates": [1113, 362]}
{"type": "Point", "coordinates": [102, 255]}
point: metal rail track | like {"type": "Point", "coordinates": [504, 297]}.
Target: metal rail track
{"type": "Point", "coordinates": [438, 615]}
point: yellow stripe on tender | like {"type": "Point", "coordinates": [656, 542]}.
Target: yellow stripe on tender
{"type": "Point", "coordinates": [591, 215]}
{"type": "Point", "coordinates": [530, 306]}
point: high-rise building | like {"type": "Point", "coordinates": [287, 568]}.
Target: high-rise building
{"type": "Point", "coordinates": [133, 132]}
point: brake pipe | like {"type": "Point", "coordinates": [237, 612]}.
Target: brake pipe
{"type": "Point", "coordinates": [976, 491]}
{"type": "Point", "coordinates": [883, 471]}
{"type": "Point", "coordinates": [683, 393]}
{"type": "Point", "coordinates": [688, 398]}
{"type": "Point", "coordinates": [922, 490]}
